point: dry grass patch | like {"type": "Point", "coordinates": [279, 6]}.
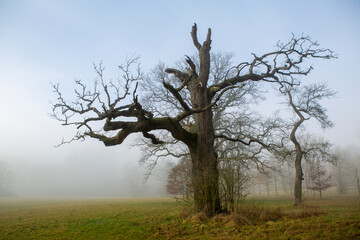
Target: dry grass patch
{"type": "Point", "coordinates": [197, 218]}
{"type": "Point", "coordinates": [306, 212]}
{"type": "Point", "coordinates": [252, 214]}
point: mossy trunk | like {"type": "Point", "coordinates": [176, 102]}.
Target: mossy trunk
{"type": "Point", "coordinates": [205, 180]}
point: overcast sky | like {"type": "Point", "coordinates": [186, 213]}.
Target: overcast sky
{"type": "Point", "coordinates": [57, 41]}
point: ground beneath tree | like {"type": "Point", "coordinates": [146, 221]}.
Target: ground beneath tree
{"type": "Point", "coordinates": [335, 218]}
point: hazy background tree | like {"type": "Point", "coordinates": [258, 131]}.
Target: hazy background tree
{"type": "Point", "coordinates": [346, 170]}
{"type": "Point", "coordinates": [340, 172]}
{"type": "Point", "coordinates": [5, 178]}
{"type": "Point", "coordinates": [179, 179]}
{"type": "Point", "coordinates": [320, 179]}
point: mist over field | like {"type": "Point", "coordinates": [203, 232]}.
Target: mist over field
{"type": "Point", "coordinates": [80, 169]}
{"type": "Point", "coordinates": [179, 119]}
{"type": "Point", "coordinates": [86, 172]}
{"type": "Point", "coordinates": [115, 178]}
{"type": "Point", "coordinates": [55, 42]}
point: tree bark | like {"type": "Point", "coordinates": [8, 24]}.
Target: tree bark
{"type": "Point", "coordinates": [205, 180]}
{"type": "Point", "coordinates": [205, 175]}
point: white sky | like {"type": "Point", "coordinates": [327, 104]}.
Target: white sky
{"type": "Point", "coordinates": [57, 41]}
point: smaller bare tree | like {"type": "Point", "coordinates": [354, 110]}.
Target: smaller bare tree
{"type": "Point", "coordinates": [233, 182]}
{"type": "Point", "coordinates": [319, 177]}
{"type": "Point", "coordinates": [179, 179]}
{"type": "Point", "coordinates": [305, 103]}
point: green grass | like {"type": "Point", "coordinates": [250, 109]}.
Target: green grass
{"type": "Point", "coordinates": [335, 218]}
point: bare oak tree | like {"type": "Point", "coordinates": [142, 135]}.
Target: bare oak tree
{"type": "Point", "coordinates": [118, 107]}
{"type": "Point", "coordinates": [305, 103]}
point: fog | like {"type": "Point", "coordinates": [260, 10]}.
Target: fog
{"type": "Point", "coordinates": [87, 170]}
{"type": "Point", "coordinates": [88, 173]}
{"type": "Point", "coordinates": [57, 41]}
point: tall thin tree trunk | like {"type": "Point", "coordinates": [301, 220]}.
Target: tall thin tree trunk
{"type": "Point", "coordinates": [259, 187]}
{"type": "Point", "coordinates": [307, 178]}
{"type": "Point", "coordinates": [341, 187]}
{"type": "Point", "coordinates": [276, 192]}
{"type": "Point", "coordinates": [298, 169]}
{"type": "Point", "coordinates": [357, 180]}
{"type": "Point", "coordinates": [298, 178]}
{"type": "Point", "coordinates": [290, 179]}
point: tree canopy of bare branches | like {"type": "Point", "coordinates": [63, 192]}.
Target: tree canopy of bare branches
{"type": "Point", "coordinates": [195, 95]}
{"type": "Point", "coordinates": [305, 104]}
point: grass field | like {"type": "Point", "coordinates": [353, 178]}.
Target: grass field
{"type": "Point", "coordinates": [335, 218]}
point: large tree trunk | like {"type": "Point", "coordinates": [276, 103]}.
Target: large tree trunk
{"type": "Point", "coordinates": [205, 180]}
{"type": "Point", "coordinates": [205, 175]}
